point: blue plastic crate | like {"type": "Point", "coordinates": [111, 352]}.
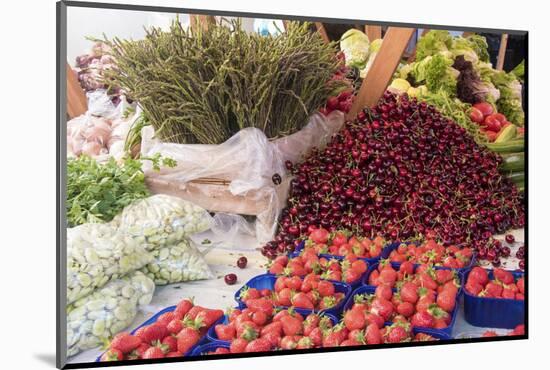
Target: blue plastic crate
{"type": "Point", "coordinates": [267, 281]}
{"type": "Point", "coordinates": [152, 320]}
{"type": "Point", "coordinates": [211, 334]}
{"type": "Point", "coordinates": [393, 246]}
{"type": "Point", "coordinates": [494, 312]}
{"type": "Point", "coordinates": [203, 349]}
{"type": "Point", "coordinates": [370, 290]}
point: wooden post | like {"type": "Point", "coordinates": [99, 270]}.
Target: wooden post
{"type": "Point", "coordinates": [322, 31]}
{"type": "Point", "coordinates": [502, 51]}
{"type": "Point", "coordinates": [285, 24]}
{"type": "Point", "coordinates": [76, 97]}
{"type": "Point", "coordinates": [375, 83]}
{"type": "Point", "coordinates": [201, 21]}
{"type": "Point", "coordinates": [373, 32]}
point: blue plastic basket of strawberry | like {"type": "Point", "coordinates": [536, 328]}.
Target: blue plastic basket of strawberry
{"type": "Point", "coordinates": [393, 246]}
{"type": "Point", "coordinates": [208, 348]}
{"type": "Point", "coordinates": [212, 336]}
{"type": "Point", "coordinates": [267, 281]}
{"type": "Point", "coordinates": [489, 312]}
{"type": "Point", "coordinates": [365, 281]}
{"type": "Point", "coordinates": [154, 319]}
{"type": "Point", "coordinates": [329, 256]}
{"type": "Point", "coordinates": [370, 290]}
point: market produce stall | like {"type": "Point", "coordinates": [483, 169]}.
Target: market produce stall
{"type": "Point", "coordinates": [314, 194]}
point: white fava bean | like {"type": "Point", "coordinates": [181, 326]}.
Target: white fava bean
{"type": "Point", "coordinates": [96, 305]}
{"type": "Point", "coordinates": [165, 274]}
{"type": "Point", "coordinates": [84, 279]}
{"type": "Point", "coordinates": [120, 314]}
{"type": "Point", "coordinates": [175, 276]}
{"type": "Point", "coordinates": [163, 254]}
{"type": "Point", "coordinates": [91, 256]}
{"type": "Point", "coordinates": [128, 291]}
{"type": "Point", "coordinates": [78, 313]}
{"type": "Point", "coordinates": [117, 327]}
{"type": "Point", "coordinates": [94, 315]}
{"type": "Point", "coordinates": [104, 253]}
{"type": "Point", "coordinates": [153, 267]}
{"type": "Point", "coordinates": [98, 328]}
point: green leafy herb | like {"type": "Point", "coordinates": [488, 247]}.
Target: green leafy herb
{"type": "Point", "coordinates": [97, 192]}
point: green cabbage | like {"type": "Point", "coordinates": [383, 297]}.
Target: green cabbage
{"type": "Point", "coordinates": [355, 45]}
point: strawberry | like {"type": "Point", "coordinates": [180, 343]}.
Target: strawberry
{"type": "Point", "coordinates": [289, 342]}
{"type": "Point", "coordinates": [518, 330]}
{"type": "Point", "coordinates": [407, 267]}
{"type": "Point", "coordinates": [316, 336]}
{"type": "Point", "coordinates": [383, 291]}
{"type": "Point", "coordinates": [325, 288]}
{"type": "Point", "coordinates": [174, 354]}
{"type": "Point", "coordinates": [301, 300]}
{"type": "Point", "coordinates": [294, 283]}
{"type": "Point", "coordinates": [373, 278]}
{"type": "Point", "coordinates": [283, 297]}
{"type": "Point", "coordinates": [408, 292]}
{"type": "Point", "coordinates": [372, 318]}
{"type": "Point", "coordinates": [187, 338]}
{"type": "Point", "coordinates": [397, 334]}
{"type": "Point", "coordinates": [183, 307]}
{"type": "Point", "coordinates": [372, 334]}
{"type": "Point", "coordinates": [423, 337]}
{"type": "Point", "coordinates": [446, 300]}
{"type": "Point", "coordinates": [422, 319]}
{"type": "Point", "coordinates": [258, 345]}
{"type": "Point", "coordinates": [274, 327]}
{"type": "Point", "coordinates": [354, 319]}
{"type": "Point", "coordinates": [279, 283]}
{"type": "Point", "coordinates": [249, 293]}
{"type": "Point", "coordinates": [153, 332]}
{"type": "Point", "coordinates": [225, 332]}
{"type": "Point", "coordinates": [492, 290]}
{"type": "Point", "coordinates": [276, 269]}
{"type": "Point", "coordinates": [221, 350]}
{"type": "Point", "coordinates": [332, 339]}
{"type": "Point", "coordinates": [247, 330]}
{"type": "Point", "coordinates": [382, 307]}
{"type": "Point", "coordinates": [291, 325]}
{"type": "Point", "coordinates": [503, 276]}
{"type": "Point", "coordinates": [141, 350]}
{"type": "Point", "coordinates": [489, 333]}
{"type": "Point", "coordinates": [479, 275]}
{"type": "Point", "coordinates": [273, 338]}
{"type": "Point", "coordinates": [473, 287]}
{"type": "Point", "coordinates": [166, 317]}
{"type": "Point", "coordinates": [261, 304]}
{"type": "Point", "coordinates": [311, 321]}
{"type": "Point", "coordinates": [359, 266]}
{"type": "Point", "coordinates": [169, 344]}
{"type": "Point", "coordinates": [387, 276]}
{"type": "Point", "coordinates": [153, 352]}
{"type": "Point", "coordinates": [520, 284]}
{"type": "Point", "coordinates": [520, 296]}
{"type": "Point", "coordinates": [174, 326]}
{"type": "Point", "coordinates": [443, 276]}
{"type": "Point", "coordinates": [125, 342]}
{"type": "Point", "coordinates": [208, 317]}
{"type": "Point", "coordinates": [238, 345]}
{"type": "Point", "coordinates": [405, 308]}
{"type": "Point", "coordinates": [508, 293]}
{"type": "Point", "coordinates": [304, 342]}
{"type": "Point", "coordinates": [112, 354]}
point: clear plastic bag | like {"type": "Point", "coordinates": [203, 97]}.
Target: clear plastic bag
{"type": "Point", "coordinates": [99, 316]}
{"type": "Point", "coordinates": [161, 220]}
{"type": "Point", "coordinates": [97, 254]}
{"type": "Point", "coordinates": [102, 130]}
{"type": "Point", "coordinates": [177, 263]}
{"type": "Point", "coordinates": [248, 160]}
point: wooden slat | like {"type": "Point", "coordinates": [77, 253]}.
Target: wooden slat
{"type": "Point", "coordinates": [379, 75]}
{"type": "Point", "coordinates": [321, 29]}
{"type": "Point", "coordinates": [285, 24]}
{"type": "Point", "coordinates": [412, 57]}
{"type": "Point", "coordinates": [466, 34]}
{"type": "Point", "coordinates": [199, 20]}
{"type": "Point", "coordinates": [373, 32]}
{"type": "Point", "coordinates": [76, 97]}
{"type": "Point", "coordinates": [502, 51]}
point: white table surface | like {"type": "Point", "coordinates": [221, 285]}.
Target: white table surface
{"type": "Point", "coordinates": [214, 293]}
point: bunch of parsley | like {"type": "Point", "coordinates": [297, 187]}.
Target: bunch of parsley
{"type": "Point", "coordinates": [97, 192]}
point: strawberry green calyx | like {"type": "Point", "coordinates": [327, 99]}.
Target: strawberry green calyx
{"type": "Point", "coordinates": [249, 334]}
